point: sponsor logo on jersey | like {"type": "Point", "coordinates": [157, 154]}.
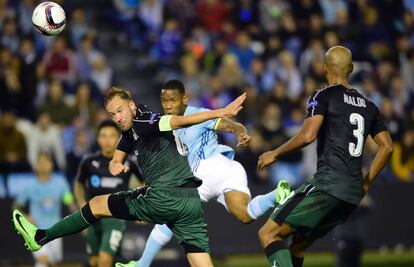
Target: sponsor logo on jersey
{"type": "Point", "coordinates": [111, 182]}
{"type": "Point", "coordinates": [96, 164]}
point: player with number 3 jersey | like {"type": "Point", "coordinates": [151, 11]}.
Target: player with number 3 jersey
{"type": "Point", "coordinates": [341, 119]}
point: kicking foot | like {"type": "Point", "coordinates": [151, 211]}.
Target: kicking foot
{"type": "Point", "coordinates": [282, 191]}
{"type": "Point", "coordinates": [26, 230]}
{"type": "Point", "coordinates": [129, 264]}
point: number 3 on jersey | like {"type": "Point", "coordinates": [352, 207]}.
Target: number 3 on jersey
{"type": "Point", "coordinates": [358, 120]}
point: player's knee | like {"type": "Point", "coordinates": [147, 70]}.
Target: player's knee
{"type": "Point", "coordinates": [104, 260]}
{"type": "Point", "coordinates": [93, 261]}
{"type": "Point", "coordinates": [43, 260]}
{"type": "Point", "coordinates": [266, 236]}
{"type": "Point", "coordinates": [244, 218]}
{"type": "Point", "coordinates": [98, 205]}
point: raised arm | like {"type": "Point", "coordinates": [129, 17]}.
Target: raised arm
{"type": "Point", "coordinates": [228, 125]}
{"type": "Point", "coordinates": [231, 110]}
{"type": "Point", "coordinates": [384, 141]}
{"type": "Point", "coordinates": [305, 136]}
{"type": "Point", "coordinates": [116, 165]}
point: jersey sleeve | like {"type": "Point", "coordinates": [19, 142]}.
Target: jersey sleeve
{"type": "Point", "coordinates": [378, 125]}
{"type": "Point", "coordinates": [82, 172]}
{"type": "Point", "coordinates": [125, 143]}
{"type": "Point", "coordinates": [148, 123]}
{"type": "Point", "coordinates": [317, 103]}
{"type": "Point", "coordinates": [210, 124]}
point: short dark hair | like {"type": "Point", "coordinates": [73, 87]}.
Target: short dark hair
{"type": "Point", "coordinates": [174, 85]}
{"type": "Point", "coordinates": [108, 123]}
{"type": "Point", "coordinates": [116, 91]}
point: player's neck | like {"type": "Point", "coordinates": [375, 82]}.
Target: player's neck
{"type": "Point", "coordinates": [108, 154]}
{"type": "Point", "coordinates": [43, 177]}
{"type": "Point", "coordinates": [339, 80]}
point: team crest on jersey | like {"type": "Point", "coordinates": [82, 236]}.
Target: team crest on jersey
{"type": "Point", "coordinates": [96, 164]}
{"type": "Point", "coordinates": [313, 104]}
{"type": "Point", "coordinates": [153, 118]}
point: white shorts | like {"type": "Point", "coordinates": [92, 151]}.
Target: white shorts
{"type": "Point", "coordinates": [220, 175]}
{"type": "Point", "coordinates": [53, 250]}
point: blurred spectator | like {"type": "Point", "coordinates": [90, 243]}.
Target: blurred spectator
{"type": "Point", "coordinates": [302, 9]}
{"type": "Point", "coordinates": [28, 77]}
{"type": "Point", "coordinates": [167, 48]}
{"type": "Point", "coordinates": [186, 11]}
{"type": "Point", "coordinates": [150, 13]}
{"type": "Point", "coordinates": [374, 33]}
{"type": "Point", "coordinates": [60, 62]}
{"type": "Point", "coordinates": [6, 12]}
{"type": "Point", "coordinates": [80, 148]}
{"type": "Point", "coordinates": [244, 13]}
{"type": "Point", "coordinates": [402, 159]}
{"type": "Point", "coordinates": [330, 9]}
{"type": "Point", "coordinates": [78, 26]}
{"type": "Point", "coordinates": [243, 51]}
{"type": "Point", "coordinates": [102, 74]}
{"type": "Point", "coordinates": [216, 96]}
{"type": "Point", "coordinates": [55, 106]}
{"type": "Point", "coordinates": [213, 58]}
{"type": "Point", "coordinates": [270, 12]}
{"type": "Point", "coordinates": [289, 74]}
{"type": "Point", "coordinates": [260, 77]}
{"type": "Point", "coordinates": [84, 107]}
{"type": "Point", "coordinates": [399, 94]}
{"type": "Point", "coordinates": [370, 91]}
{"type": "Point", "coordinates": [10, 37]}
{"type": "Point", "coordinates": [10, 85]}
{"type": "Point", "coordinates": [194, 80]}
{"type": "Point", "coordinates": [289, 167]}
{"type": "Point", "coordinates": [212, 14]}
{"type": "Point", "coordinates": [44, 196]}
{"type": "Point", "coordinates": [85, 56]}
{"type": "Point", "coordinates": [45, 137]}
{"type": "Point", "coordinates": [230, 72]}
{"type": "Point", "coordinates": [394, 123]}
{"type": "Point", "coordinates": [25, 11]}
{"type": "Point", "coordinates": [290, 34]}
{"type": "Point", "coordinates": [13, 149]}
{"type": "Point", "coordinates": [280, 98]}
{"type": "Point", "coordinates": [314, 51]}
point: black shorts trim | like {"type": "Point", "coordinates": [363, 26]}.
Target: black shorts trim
{"type": "Point", "coordinates": [191, 248]}
{"type": "Point", "coordinates": [292, 204]}
{"type": "Point", "coordinates": [118, 207]}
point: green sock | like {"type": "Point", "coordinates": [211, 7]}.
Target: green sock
{"type": "Point", "coordinates": [278, 255]}
{"type": "Point", "coordinates": [71, 224]}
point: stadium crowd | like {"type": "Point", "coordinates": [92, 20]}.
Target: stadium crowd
{"type": "Point", "coordinates": [51, 89]}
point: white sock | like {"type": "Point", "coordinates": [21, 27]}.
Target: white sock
{"type": "Point", "coordinates": [159, 236]}
{"type": "Point", "coordinates": [259, 205]}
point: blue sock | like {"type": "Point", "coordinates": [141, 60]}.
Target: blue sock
{"type": "Point", "coordinates": [259, 205]}
{"type": "Point", "coordinates": [159, 236]}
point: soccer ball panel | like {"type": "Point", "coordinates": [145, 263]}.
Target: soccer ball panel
{"type": "Point", "coordinates": [49, 18]}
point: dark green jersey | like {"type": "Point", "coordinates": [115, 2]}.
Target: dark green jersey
{"type": "Point", "coordinates": [93, 172]}
{"type": "Point", "coordinates": [348, 120]}
{"type": "Point", "coordinates": [156, 151]}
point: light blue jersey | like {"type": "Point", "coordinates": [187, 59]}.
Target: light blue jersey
{"type": "Point", "coordinates": [200, 141]}
{"type": "Point", "coordinates": [45, 200]}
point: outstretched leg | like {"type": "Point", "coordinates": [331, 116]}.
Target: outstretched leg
{"type": "Point", "coordinates": [96, 208]}
{"type": "Point", "coordinates": [271, 237]}
{"type": "Point", "coordinates": [246, 210]}
{"type": "Point", "coordinates": [199, 260]}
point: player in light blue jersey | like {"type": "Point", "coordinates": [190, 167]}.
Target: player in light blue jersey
{"type": "Point", "coordinates": [224, 179]}
{"type": "Point", "coordinates": [45, 196]}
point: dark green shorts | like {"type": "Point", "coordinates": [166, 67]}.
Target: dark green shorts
{"type": "Point", "coordinates": [179, 208]}
{"type": "Point", "coordinates": [105, 235]}
{"type": "Point", "coordinates": [312, 212]}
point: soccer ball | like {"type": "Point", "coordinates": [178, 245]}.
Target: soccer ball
{"type": "Point", "coordinates": [49, 18]}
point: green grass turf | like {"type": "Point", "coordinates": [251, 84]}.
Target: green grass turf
{"type": "Point", "coordinates": [370, 259]}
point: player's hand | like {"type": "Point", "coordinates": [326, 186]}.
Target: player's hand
{"type": "Point", "coordinates": [243, 138]}
{"type": "Point", "coordinates": [266, 159]}
{"type": "Point", "coordinates": [116, 167]}
{"type": "Point", "coordinates": [234, 107]}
